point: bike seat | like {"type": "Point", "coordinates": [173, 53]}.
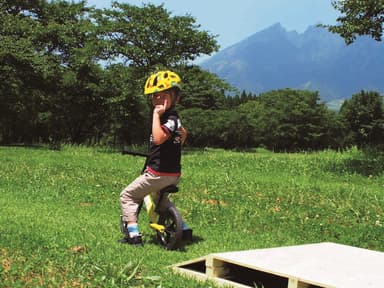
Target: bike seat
{"type": "Point", "coordinates": [169, 189]}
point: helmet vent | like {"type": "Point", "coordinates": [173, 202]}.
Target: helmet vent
{"type": "Point", "coordinates": [161, 81]}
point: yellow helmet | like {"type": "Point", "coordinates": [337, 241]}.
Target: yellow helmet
{"type": "Point", "coordinates": [161, 81]}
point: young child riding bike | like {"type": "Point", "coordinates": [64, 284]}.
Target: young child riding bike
{"type": "Point", "coordinates": [163, 166]}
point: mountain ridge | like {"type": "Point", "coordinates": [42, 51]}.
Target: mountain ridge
{"type": "Point", "coordinates": [316, 59]}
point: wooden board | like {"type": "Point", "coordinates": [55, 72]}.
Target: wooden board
{"type": "Point", "coordinates": [313, 265]}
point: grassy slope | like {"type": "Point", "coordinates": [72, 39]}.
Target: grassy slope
{"type": "Point", "coordinates": [59, 221]}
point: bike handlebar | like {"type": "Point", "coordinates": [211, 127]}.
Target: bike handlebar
{"type": "Point", "coordinates": [134, 153]}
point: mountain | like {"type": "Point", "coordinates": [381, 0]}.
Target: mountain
{"type": "Point", "coordinates": [316, 59]}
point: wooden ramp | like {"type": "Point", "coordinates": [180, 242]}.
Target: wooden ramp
{"type": "Point", "coordinates": [305, 266]}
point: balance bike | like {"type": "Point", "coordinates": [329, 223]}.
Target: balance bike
{"type": "Point", "coordinates": [167, 224]}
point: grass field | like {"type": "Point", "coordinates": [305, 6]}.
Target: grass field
{"type": "Point", "coordinates": [59, 220]}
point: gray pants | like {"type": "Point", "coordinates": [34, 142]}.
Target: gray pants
{"type": "Point", "coordinates": [145, 184]}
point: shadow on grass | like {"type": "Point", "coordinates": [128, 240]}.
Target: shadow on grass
{"type": "Point", "coordinates": [184, 244]}
{"type": "Point", "coordinates": [22, 145]}
{"type": "Point", "coordinates": [366, 162]}
{"type": "Point", "coordinates": [182, 248]}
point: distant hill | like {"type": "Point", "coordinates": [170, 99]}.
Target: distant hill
{"type": "Point", "coordinates": [275, 58]}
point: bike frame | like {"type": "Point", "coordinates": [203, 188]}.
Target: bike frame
{"type": "Point", "coordinates": [153, 216]}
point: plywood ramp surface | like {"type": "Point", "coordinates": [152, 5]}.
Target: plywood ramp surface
{"type": "Point", "coordinates": [305, 266]}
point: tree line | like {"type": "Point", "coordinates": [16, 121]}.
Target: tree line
{"type": "Point", "coordinates": [290, 120]}
{"type": "Point", "coordinates": [70, 73]}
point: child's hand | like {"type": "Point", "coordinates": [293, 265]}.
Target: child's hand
{"type": "Point", "coordinates": [183, 133]}
{"type": "Point", "coordinates": [161, 108]}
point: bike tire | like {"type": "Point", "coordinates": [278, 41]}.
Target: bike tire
{"type": "Point", "coordinates": [172, 221]}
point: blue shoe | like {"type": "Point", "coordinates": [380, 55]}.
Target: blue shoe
{"type": "Point", "coordinates": [132, 234]}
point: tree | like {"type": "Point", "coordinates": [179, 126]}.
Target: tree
{"type": "Point", "coordinates": [127, 112]}
{"type": "Point", "coordinates": [149, 36]}
{"type": "Point", "coordinates": [282, 120]}
{"type": "Point", "coordinates": [23, 71]}
{"type": "Point", "coordinates": [294, 120]}
{"type": "Point", "coordinates": [202, 89]}
{"type": "Point", "coordinates": [363, 116]}
{"type": "Point", "coordinates": [75, 106]}
{"type": "Point", "coordinates": [358, 18]}
{"type": "Point", "coordinates": [52, 85]}
{"type": "Point", "coordinates": [217, 128]}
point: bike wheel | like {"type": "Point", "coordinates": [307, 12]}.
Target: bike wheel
{"type": "Point", "coordinates": [172, 221]}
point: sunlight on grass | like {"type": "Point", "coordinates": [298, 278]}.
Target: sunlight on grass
{"type": "Point", "coordinates": [59, 223]}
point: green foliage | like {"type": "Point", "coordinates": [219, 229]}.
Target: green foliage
{"type": "Point", "coordinates": [363, 116]}
{"type": "Point", "coordinates": [71, 73]}
{"type": "Point", "coordinates": [286, 119]}
{"type": "Point", "coordinates": [22, 73]}
{"type": "Point", "coordinates": [149, 36]}
{"type": "Point", "coordinates": [59, 222]}
{"type": "Point", "coordinates": [55, 72]}
{"type": "Point", "coordinates": [52, 84]}
{"type": "Point", "coordinates": [202, 89]}
{"type": "Point", "coordinates": [237, 100]}
{"type": "Point", "coordinates": [217, 128]}
{"type": "Point", "coordinates": [358, 18]}
{"type": "Point", "coordinates": [295, 120]}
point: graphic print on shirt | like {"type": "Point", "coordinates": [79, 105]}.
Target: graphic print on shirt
{"type": "Point", "coordinates": [174, 126]}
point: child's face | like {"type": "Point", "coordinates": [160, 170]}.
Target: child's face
{"type": "Point", "coordinates": [163, 98]}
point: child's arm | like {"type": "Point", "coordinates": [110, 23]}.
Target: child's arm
{"type": "Point", "coordinates": [159, 134]}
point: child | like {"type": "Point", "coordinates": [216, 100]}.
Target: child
{"type": "Point", "coordinates": [163, 163]}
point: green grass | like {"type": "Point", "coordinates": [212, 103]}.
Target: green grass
{"type": "Point", "coordinates": [59, 220]}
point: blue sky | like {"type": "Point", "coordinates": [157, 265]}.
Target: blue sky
{"type": "Point", "coordinates": [236, 20]}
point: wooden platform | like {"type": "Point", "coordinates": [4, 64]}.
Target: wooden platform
{"type": "Point", "coordinates": [305, 266]}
